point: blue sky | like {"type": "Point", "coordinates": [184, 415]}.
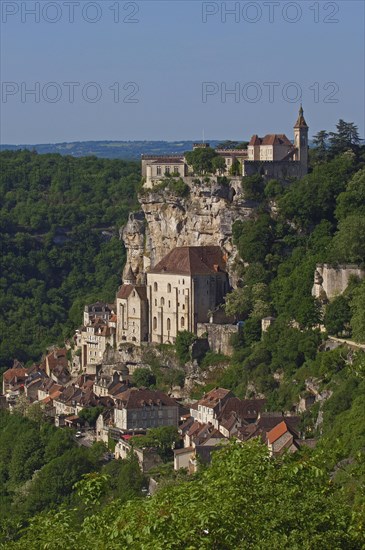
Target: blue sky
{"type": "Point", "coordinates": [166, 57]}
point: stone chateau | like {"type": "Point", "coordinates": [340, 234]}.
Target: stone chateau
{"type": "Point", "coordinates": [273, 155]}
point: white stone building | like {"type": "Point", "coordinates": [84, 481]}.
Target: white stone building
{"type": "Point", "coordinates": [183, 288]}
{"type": "Point", "coordinates": [132, 311]}
{"type": "Point", "coordinates": [140, 409]}
{"type": "Point", "coordinates": [273, 156]}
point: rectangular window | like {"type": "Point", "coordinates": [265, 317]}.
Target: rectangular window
{"type": "Point", "coordinates": [176, 169]}
{"type": "Point", "coordinates": [158, 168]}
{"type": "Point", "coordinates": [167, 169]}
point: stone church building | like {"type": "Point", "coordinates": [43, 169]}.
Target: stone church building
{"type": "Point", "coordinates": [181, 291]}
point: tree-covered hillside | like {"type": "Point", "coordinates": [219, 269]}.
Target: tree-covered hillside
{"type": "Point", "coordinates": [60, 247]}
{"type": "Point", "coordinates": [243, 500]}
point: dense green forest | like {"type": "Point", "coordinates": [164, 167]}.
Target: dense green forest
{"type": "Point", "coordinates": [40, 466]}
{"type": "Point", "coordinates": [60, 247]}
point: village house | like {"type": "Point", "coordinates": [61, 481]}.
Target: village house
{"type": "Point", "coordinates": [14, 380]}
{"type": "Point", "coordinates": [104, 422]}
{"type": "Point", "coordinates": [56, 366]}
{"type": "Point", "coordinates": [48, 387]}
{"type": "Point", "coordinates": [281, 438]}
{"type": "Point", "coordinates": [210, 405]}
{"type": "Point", "coordinates": [219, 416]}
{"type": "Point", "coordinates": [140, 409]}
{"type": "Point", "coordinates": [32, 384]}
{"type": "Point", "coordinates": [94, 340]}
{"type": "Point", "coordinates": [65, 404]}
{"type": "Point", "coordinates": [99, 310]}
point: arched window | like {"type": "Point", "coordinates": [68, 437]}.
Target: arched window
{"type": "Point", "coordinates": [168, 287]}
{"type": "Point", "coordinates": [162, 301]}
{"type": "Point", "coordinates": [183, 281]}
{"type": "Point", "coordinates": [155, 287]}
{"type": "Point", "coordinates": [133, 293]}
{"type": "Point", "coordinates": [182, 322]}
{"type": "Point", "coordinates": [168, 324]}
{"type": "Point", "coordinates": [154, 323]}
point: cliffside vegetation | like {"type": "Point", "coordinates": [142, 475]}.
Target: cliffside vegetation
{"type": "Point", "coordinates": [40, 466]}
{"type": "Point", "coordinates": [242, 500]}
{"type": "Point", "coordinates": [59, 221]}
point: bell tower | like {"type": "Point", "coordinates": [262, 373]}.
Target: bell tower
{"type": "Point", "coordinates": [301, 142]}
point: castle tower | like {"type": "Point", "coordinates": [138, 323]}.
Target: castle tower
{"type": "Point", "coordinates": [301, 142]}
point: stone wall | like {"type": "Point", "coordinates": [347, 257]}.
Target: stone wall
{"type": "Point", "coordinates": [331, 281]}
{"type": "Point", "coordinates": [219, 336]}
{"type": "Point", "coordinates": [281, 170]}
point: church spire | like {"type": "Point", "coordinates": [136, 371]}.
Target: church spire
{"type": "Point", "coordinates": [129, 277]}
{"type": "Point", "coordinates": [301, 123]}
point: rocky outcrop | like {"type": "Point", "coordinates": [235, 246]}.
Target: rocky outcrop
{"type": "Point", "coordinates": [219, 336]}
{"type": "Point", "coordinates": [331, 281]}
{"type": "Point", "coordinates": [167, 220]}
{"type": "Point", "coordinates": [133, 235]}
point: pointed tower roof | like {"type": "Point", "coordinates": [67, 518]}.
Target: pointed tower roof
{"type": "Point", "coordinates": [129, 277]}
{"type": "Point", "coordinates": [301, 123]}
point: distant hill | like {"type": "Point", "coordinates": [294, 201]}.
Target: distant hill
{"type": "Point", "coordinates": [127, 150]}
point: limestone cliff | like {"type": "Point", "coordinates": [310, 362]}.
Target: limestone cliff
{"type": "Point", "coordinates": [204, 217]}
{"type": "Point", "coordinates": [331, 281]}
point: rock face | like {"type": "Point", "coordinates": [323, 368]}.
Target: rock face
{"type": "Point", "coordinates": [219, 336]}
{"type": "Point", "coordinates": [133, 236]}
{"type": "Point", "coordinates": [331, 281]}
{"type": "Point", "coordinates": [205, 217]}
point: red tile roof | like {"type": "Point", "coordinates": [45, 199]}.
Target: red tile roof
{"type": "Point", "coordinates": [277, 432]}
{"type": "Point", "coordinates": [125, 291]}
{"type": "Point", "coordinates": [192, 260]}
{"type": "Point", "coordinates": [134, 398]}
{"type": "Point", "coordinates": [271, 139]}
{"type": "Point", "coordinates": [246, 409]}
{"type": "Point", "coordinates": [18, 373]}
{"type": "Point", "coordinates": [214, 397]}
{"type": "Point", "coordinates": [57, 357]}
